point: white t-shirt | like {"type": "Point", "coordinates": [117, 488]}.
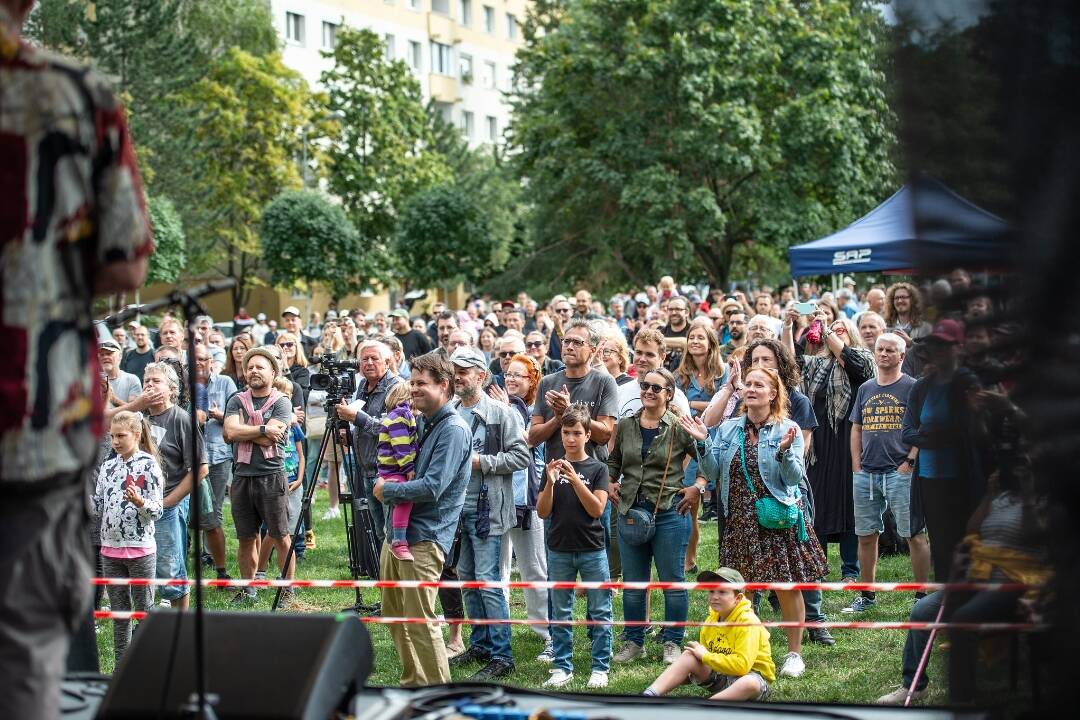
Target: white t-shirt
{"type": "Point", "coordinates": [629, 399]}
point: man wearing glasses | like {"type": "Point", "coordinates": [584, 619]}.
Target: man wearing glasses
{"type": "Point", "coordinates": [577, 383]}
{"type": "Point", "coordinates": [536, 345]}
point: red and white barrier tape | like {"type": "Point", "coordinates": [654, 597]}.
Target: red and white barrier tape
{"type": "Point", "coordinates": [139, 615]}
{"type": "Point", "coordinates": [555, 585]}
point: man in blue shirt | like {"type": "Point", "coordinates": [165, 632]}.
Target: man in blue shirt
{"type": "Point", "coordinates": [443, 467]}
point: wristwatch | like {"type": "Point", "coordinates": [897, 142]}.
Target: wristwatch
{"type": "Point", "coordinates": [262, 429]}
{"type": "Point", "coordinates": [910, 461]}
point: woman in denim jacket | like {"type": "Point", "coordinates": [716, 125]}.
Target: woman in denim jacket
{"type": "Point", "coordinates": [757, 455]}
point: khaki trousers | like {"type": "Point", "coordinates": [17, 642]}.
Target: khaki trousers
{"type": "Point", "coordinates": [420, 646]}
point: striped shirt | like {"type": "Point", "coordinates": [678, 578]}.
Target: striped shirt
{"type": "Point", "coordinates": [397, 442]}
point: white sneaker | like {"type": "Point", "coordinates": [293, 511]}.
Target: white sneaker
{"type": "Point", "coordinates": [165, 603]}
{"type": "Point", "coordinates": [331, 514]}
{"type": "Point", "coordinates": [598, 679]}
{"type": "Point", "coordinates": [793, 665]}
{"type": "Point", "coordinates": [559, 678]}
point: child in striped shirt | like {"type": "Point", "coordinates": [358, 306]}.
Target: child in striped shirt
{"type": "Point", "coordinates": [396, 457]}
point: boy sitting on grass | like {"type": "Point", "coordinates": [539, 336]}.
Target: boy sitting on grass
{"type": "Point", "coordinates": [732, 663]}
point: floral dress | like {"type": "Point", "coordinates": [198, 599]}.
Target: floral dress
{"type": "Point", "coordinates": [760, 554]}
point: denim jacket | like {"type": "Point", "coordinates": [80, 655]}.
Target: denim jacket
{"type": "Point", "coordinates": [438, 490]}
{"type": "Point", "coordinates": [781, 476]}
{"type": "Point", "coordinates": [505, 451]}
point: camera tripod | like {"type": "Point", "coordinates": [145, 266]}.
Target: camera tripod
{"type": "Point", "coordinates": [363, 546]}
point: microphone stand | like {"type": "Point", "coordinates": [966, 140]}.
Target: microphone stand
{"type": "Point", "coordinates": [200, 704]}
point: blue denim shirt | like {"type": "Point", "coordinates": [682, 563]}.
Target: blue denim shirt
{"type": "Point", "coordinates": [443, 468]}
{"type": "Point", "coordinates": [218, 391]}
{"type": "Point", "coordinates": [781, 477]}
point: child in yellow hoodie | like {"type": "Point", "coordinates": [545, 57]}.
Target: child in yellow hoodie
{"type": "Point", "coordinates": [732, 663]}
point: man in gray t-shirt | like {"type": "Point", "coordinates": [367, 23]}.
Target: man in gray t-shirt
{"type": "Point", "coordinates": [124, 385]}
{"type": "Point", "coordinates": [258, 434]}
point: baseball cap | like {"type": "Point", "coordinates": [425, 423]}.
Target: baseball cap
{"type": "Point", "coordinates": [948, 330]}
{"type": "Point", "coordinates": [291, 310]}
{"type": "Point", "coordinates": [260, 316]}
{"type": "Point", "coordinates": [109, 344]}
{"type": "Point", "coordinates": [467, 357]}
{"type": "Point", "coordinates": [509, 304]}
{"type": "Point", "coordinates": [724, 574]}
{"type": "Point", "coordinates": [641, 299]}
{"type": "Point", "coordinates": [401, 313]}
{"type": "Point", "coordinates": [848, 280]}
{"type": "Point", "coordinates": [331, 315]}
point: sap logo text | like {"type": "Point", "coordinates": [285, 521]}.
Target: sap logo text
{"type": "Point", "coordinates": [851, 257]}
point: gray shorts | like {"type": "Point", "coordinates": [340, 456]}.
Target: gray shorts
{"type": "Point", "coordinates": [220, 475]}
{"type": "Point", "coordinates": [719, 682]}
{"type": "Point", "coordinates": [258, 499]}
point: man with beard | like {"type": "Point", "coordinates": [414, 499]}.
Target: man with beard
{"type": "Point", "coordinates": [125, 386]}
{"type": "Point", "coordinates": [736, 324]}
{"type": "Point", "coordinates": [499, 449]}
{"type": "Point", "coordinates": [137, 358]}
{"type": "Point", "coordinates": [256, 425]}
{"type": "Point", "coordinates": [218, 389]}
{"type": "Point", "coordinates": [413, 343]}
{"type": "Point", "coordinates": [675, 331]}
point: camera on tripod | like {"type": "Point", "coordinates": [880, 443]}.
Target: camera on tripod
{"type": "Point", "coordinates": [337, 379]}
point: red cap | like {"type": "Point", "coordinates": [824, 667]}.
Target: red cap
{"type": "Point", "coordinates": [509, 304]}
{"type": "Point", "coordinates": [948, 330]}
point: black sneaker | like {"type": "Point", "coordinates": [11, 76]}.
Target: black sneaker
{"type": "Point", "coordinates": [472, 655]}
{"type": "Point", "coordinates": [207, 560]}
{"type": "Point", "coordinates": [244, 599]}
{"type": "Point", "coordinates": [859, 605]}
{"type": "Point", "coordinates": [494, 669]}
{"type": "Point", "coordinates": [821, 636]}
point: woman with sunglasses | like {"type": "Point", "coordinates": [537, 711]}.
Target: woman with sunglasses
{"type": "Point", "coordinates": [701, 371]}
{"type": "Point", "coordinates": [831, 380]}
{"type": "Point", "coordinates": [759, 456]}
{"type": "Point", "coordinates": [295, 367]}
{"type": "Point", "coordinates": [647, 452]}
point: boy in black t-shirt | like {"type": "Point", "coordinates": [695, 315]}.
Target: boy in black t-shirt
{"type": "Point", "coordinates": [573, 498]}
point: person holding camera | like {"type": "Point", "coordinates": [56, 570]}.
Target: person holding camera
{"type": "Point", "coordinates": [378, 379]}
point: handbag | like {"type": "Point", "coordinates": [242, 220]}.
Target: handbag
{"type": "Point", "coordinates": [771, 513]}
{"type": "Point", "coordinates": [638, 526]}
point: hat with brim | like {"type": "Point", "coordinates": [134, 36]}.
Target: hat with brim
{"type": "Point", "coordinates": [262, 351]}
{"type": "Point", "coordinates": [730, 304]}
{"type": "Point", "coordinates": [109, 345]}
{"type": "Point", "coordinates": [401, 313]}
{"type": "Point", "coordinates": [467, 357]}
{"type": "Point", "coordinates": [947, 331]}
{"type": "Point", "coordinates": [291, 310]}
{"type": "Point", "coordinates": [724, 574]}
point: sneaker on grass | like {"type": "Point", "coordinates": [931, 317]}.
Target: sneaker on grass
{"type": "Point", "coordinates": [629, 652]}
{"type": "Point", "coordinates": [559, 678]}
{"type": "Point", "coordinates": [899, 696]}
{"type": "Point", "coordinates": [859, 605]}
{"type": "Point", "coordinates": [245, 598]}
{"type": "Point", "coordinates": [672, 651]}
{"type": "Point", "coordinates": [793, 665]}
{"type": "Point", "coordinates": [547, 655]}
{"type": "Point", "coordinates": [598, 679]}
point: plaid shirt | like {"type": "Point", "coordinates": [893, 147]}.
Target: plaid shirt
{"type": "Point", "coordinates": [71, 201]}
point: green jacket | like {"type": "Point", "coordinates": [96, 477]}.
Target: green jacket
{"type": "Point", "coordinates": [645, 477]}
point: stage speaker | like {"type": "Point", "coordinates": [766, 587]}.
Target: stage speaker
{"type": "Point", "coordinates": [259, 665]}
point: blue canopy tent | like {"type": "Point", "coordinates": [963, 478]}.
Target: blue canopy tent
{"type": "Point", "coordinates": [922, 225]}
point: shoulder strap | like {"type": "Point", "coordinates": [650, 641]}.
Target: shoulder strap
{"type": "Point", "coordinates": [667, 466]}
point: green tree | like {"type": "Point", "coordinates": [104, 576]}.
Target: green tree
{"type": "Point", "coordinates": [307, 239]}
{"type": "Point", "coordinates": [250, 112]}
{"type": "Point", "coordinates": [170, 252]}
{"type": "Point", "coordinates": [442, 238]}
{"type": "Point", "coordinates": [657, 136]}
{"type": "Point", "coordinates": [382, 153]}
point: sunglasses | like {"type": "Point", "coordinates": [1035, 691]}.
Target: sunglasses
{"type": "Point", "coordinates": [657, 389]}
{"type": "Point", "coordinates": [507, 355]}
{"type": "Point", "coordinates": [535, 344]}
{"type": "Point", "coordinates": [286, 344]}
{"type": "Point", "coordinates": [563, 310]}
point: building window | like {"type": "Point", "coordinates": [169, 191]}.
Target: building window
{"type": "Point", "coordinates": [467, 124]}
{"type": "Point", "coordinates": [440, 6]}
{"type": "Point", "coordinates": [440, 59]}
{"type": "Point", "coordinates": [388, 44]}
{"type": "Point", "coordinates": [489, 20]}
{"type": "Point", "coordinates": [511, 26]}
{"type": "Point", "coordinates": [329, 35]}
{"type": "Point", "coordinates": [294, 28]}
{"type": "Point", "coordinates": [492, 129]}
{"type": "Point", "coordinates": [487, 76]}
{"type": "Point", "coordinates": [465, 14]}
{"type": "Point", "coordinates": [465, 68]}
{"type": "Point", "coordinates": [415, 61]}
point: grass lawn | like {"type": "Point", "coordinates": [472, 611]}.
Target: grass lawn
{"type": "Point", "coordinates": [861, 666]}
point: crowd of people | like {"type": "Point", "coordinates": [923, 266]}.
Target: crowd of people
{"type": "Point", "coordinates": [583, 441]}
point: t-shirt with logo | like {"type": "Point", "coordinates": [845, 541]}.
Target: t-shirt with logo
{"type": "Point", "coordinates": [572, 529]}
{"type": "Point", "coordinates": [880, 411]}
{"type": "Point", "coordinates": [596, 389]}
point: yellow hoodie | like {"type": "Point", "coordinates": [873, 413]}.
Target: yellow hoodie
{"type": "Point", "coordinates": [735, 651]}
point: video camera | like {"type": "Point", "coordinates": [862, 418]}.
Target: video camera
{"type": "Point", "coordinates": [337, 379]}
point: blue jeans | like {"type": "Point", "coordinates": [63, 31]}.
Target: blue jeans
{"type": "Point", "coordinates": [170, 554]}
{"type": "Point", "coordinates": [479, 560]}
{"type": "Point", "coordinates": [667, 550]}
{"type": "Point", "coordinates": [592, 565]}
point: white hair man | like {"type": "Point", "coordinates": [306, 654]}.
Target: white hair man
{"type": "Point", "coordinates": [882, 465]}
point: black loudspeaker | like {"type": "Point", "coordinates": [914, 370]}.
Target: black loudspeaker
{"type": "Point", "coordinates": [260, 665]}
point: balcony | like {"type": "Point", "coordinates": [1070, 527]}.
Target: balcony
{"type": "Point", "coordinates": [442, 28]}
{"type": "Point", "coordinates": [444, 88]}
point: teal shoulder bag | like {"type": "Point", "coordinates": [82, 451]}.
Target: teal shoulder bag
{"type": "Point", "coordinates": [771, 513]}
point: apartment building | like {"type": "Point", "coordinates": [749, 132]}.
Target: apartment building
{"type": "Point", "coordinates": [461, 51]}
